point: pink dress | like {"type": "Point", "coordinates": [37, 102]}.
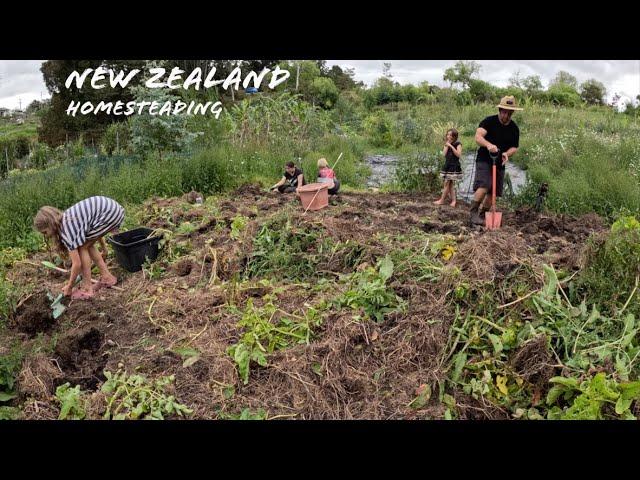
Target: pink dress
{"type": "Point", "coordinates": [326, 172]}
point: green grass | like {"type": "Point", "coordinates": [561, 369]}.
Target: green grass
{"type": "Point", "coordinates": [130, 181]}
{"type": "Point", "coordinates": [10, 130]}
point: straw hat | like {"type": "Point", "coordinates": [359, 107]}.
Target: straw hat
{"type": "Point", "coordinates": [508, 103]}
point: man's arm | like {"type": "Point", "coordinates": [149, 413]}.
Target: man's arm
{"type": "Point", "coordinates": [281, 182]}
{"type": "Point", "coordinates": [300, 180]}
{"type": "Point", "coordinates": [480, 140]}
{"type": "Point", "coordinates": [508, 154]}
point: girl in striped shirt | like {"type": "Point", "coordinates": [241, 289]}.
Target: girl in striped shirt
{"type": "Point", "coordinates": [76, 230]}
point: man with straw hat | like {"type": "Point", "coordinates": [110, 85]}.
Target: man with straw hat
{"type": "Point", "coordinates": [496, 135]}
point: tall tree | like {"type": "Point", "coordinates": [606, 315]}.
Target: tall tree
{"type": "Point", "coordinates": [343, 78]}
{"type": "Point", "coordinates": [516, 80]}
{"type": "Point", "coordinates": [532, 84]}
{"type": "Point", "coordinates": [564, 78]}
{"type": "Point", "coordinates": [593, 92]}
{"type": "Point", "coordinates": [462, 72]}
{"type": "Point", "coordinates": [322, 66]}
{"type": "Point", "coordinates": [386, 70]}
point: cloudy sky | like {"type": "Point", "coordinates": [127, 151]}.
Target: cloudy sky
{"type": "Point", "coordinates": [21, 80]}
{"type": "Point", "coordinates": [618, 76]}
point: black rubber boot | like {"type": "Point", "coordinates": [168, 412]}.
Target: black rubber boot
{"type": "Point", "coordinates": [476, 218]}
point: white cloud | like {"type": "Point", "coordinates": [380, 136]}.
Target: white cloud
{"type": "Point", "coordinates": [21, 81]}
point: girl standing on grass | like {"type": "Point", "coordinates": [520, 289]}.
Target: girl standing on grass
{"type": "Point", "coordinates": [452, 171]}
{"type": "Point", "coordinates": [76, 230]}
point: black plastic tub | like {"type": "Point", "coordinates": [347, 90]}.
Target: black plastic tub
{"type": "Point", "coordinates": [134, 247]}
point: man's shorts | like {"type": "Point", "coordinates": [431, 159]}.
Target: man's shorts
{"type": "Point", "coordinates": [484, 179]}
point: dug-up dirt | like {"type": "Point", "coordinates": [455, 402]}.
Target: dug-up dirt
{"type": "Point", "coordinates": [350, 368]}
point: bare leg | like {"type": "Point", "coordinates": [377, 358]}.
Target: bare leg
{"type": "Point", "coordinates": [452, 189]}
{"type": "Point", "coordinates": [440, 201]}
{"type": "Point", "coordinates": [104, 248]}
{"type": "Point", "coordinates": [480, 194]}
{"type": "Point", "coordinates": [105, 274]}
{"type": "Point", "coordinates": [85, 258]}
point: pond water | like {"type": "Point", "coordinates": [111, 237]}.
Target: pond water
{"type": "Point", "coordinates": [383, 168]}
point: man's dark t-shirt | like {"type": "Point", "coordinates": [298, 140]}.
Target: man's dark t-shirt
{"type": "Point", "coordinates": [502, 136]}
{"type": "Point", "coordinates": [293, 179]}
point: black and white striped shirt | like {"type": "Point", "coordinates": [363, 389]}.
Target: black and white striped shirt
{"type": "Point", "coordinates": [89, 219]}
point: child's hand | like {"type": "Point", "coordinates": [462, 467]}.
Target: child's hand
{"type": "Point", "coordinates": [67, 289]}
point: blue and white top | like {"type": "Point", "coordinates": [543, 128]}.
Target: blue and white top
{"type": "Point", "coordinates": [89, 219]}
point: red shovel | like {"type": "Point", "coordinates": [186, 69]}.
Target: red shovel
{"type": "Point", "coordinates": [493, 219]}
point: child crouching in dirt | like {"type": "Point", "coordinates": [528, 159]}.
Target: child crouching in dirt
{"type": "Point", "coordinates": [291, 179]}
{"type": "Point", "coordinates": [452, 171]}
{"type": "Point", "coordinates": [327, 175]}
{"type": "Point", "coordinates": [76, 230]}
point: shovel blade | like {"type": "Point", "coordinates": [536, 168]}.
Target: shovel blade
{"type": "Point", "coordinates": [493, 220]}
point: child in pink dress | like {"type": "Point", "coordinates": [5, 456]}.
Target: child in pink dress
{"type": "Point", "coordinates": [327, 175]}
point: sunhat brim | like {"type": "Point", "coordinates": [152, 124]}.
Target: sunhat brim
{"type": "Point", "coordinates": [509, 107]}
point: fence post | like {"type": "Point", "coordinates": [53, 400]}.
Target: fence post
{"type": "Point", "coordinates": [6, 155]}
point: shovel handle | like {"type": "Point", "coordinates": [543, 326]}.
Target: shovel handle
{"type": "Point", "coordinates": [493, 188]}
{"type": "Point", "coordinates": [494, 157]}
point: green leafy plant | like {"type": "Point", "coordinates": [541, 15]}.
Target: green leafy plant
{"type": "Point", "coordinates": [8, 256]}
{"type": "Point", "coordinates": [596, 398]}
{"type": "Point", "coordinates": [368, 291]}
{"type": "Point", "coordinates": [186, 228]}
{"type": "Point", "coordinates": [265, 333]}
{"type": "Point", "coordinates": [415, 265]}
{"type": "Point", "coordinates": [72, 405]}
{"type": "Point", "coordinates": [7, 297]}
{"type": "Point", "coordinates": [611, 273]}
{"type": "Point", "coordinates": [246, 414]}
{"type": "Point", "coordinates": [283, 249]}
{"type": "Point", "coordinates": [153, 270]}
{"type": "Point", "coordinates": [424, 395]}
{"type": "Point", "coordinates": [134, 397]}
{"type": "Point", "coordinates": [9, 367]}
{"type": "Point", "coordinates": [238, 225]}
{"type": "Point", "coordinates": [9, 413]}
{"type": "Point", "coordinates": [189, 355]}
{"type": "Point", "coordinates": [585, 337]}
{"type": "Point", "coordinates": [481, 348]}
